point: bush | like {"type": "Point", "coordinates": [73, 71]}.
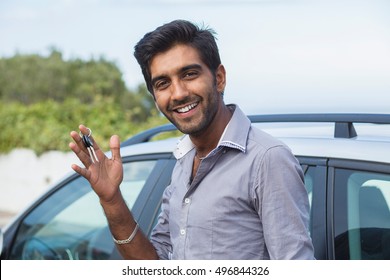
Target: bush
{"type": "Point", "coordinates": [46, 125]}
{"type": "Point", "coordinates": [43, 98]}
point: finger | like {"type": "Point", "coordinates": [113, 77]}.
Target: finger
{"type": "Point", "coordinates": [87, 131]}
{"type": "Point", "coordinates": [82, 171]}
{"type": "Point", "coordinates": [115, 147]}
{"type": "Point", "coordinates": [81, 154]}
{"type": "Point", "coordinates": [77, 139]}
{"type": "Point", "coordinates": [84, 130]}
{"type": "Point", "coordinates": [99, 153]}
{"type": "Point", "coordinates": [82, 151]}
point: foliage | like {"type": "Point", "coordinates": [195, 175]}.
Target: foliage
{"type": "Point", "coordinates": [43, 98]}
{"type": "Point", "coordinates": [46, 125]}
{"type": "Point", "coordinates": [33, 78]}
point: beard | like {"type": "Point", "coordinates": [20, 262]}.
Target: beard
{"type": "Point", "coordinates": [197, 124]}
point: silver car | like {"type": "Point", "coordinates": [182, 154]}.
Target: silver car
{"type": "Point", "coordinates": [345, 159]}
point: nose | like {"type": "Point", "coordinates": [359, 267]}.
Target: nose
{"type": "Point", "coordinates": [179, 90]}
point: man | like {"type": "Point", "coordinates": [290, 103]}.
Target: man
{"type": "Point", "coordinates": [235, 193]}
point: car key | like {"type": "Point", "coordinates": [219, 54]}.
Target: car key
{"type": "Point", "coordinates": [89, 145]}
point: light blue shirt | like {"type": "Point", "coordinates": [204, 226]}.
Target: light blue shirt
{"type": "Point", "coordinates": [247, 201]}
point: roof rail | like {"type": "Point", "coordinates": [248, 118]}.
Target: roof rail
{"type": "Point", "coordinates": [344, 127]}
{"type": "Point", "coordinates": [343, 122]}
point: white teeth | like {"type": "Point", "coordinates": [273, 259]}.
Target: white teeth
{"type": "Point", "coordinates": [187, 108]}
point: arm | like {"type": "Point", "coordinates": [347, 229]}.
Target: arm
{"type": "Point", "coordinates": [105, 178]}
{"type": "Point", "coordinates": [285, 206]}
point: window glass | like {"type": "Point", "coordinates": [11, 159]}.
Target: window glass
{"type": "Point", "coordinates": [362, 215]}
{"type": "Point", "coordinates": [70, 224]}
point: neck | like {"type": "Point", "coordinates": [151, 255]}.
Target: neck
{"type": "Point", "coordinates": [209, 138]}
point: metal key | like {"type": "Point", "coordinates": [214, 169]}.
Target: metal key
{"type": "Point", "coordinates": [89, 145]}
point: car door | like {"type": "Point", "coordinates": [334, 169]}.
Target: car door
{"type": "Point", "coordinates": [68, 223]}
{"type": "Point", "coordinates": [359, 216]}
{"type": "Point", "coordinates": [349, 208]}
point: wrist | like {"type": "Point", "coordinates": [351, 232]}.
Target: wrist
{"type": "Point", "coordinates": [115, 200]}
{"type": "Point", "coordinates": [129, 239]}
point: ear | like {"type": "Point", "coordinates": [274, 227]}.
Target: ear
{"type": "Point", "coordinates": [220, 76]}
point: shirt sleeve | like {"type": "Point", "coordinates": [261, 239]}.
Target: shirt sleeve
{"type": "Point", "coordinates": [160, 236]}
{"type": "Point", "coordinates": [283, 205]}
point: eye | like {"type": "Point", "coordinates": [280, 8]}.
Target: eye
{"type": "Point", "coordinates": [190, 74]}
{"type": "Point", "coordinates": [161, 84]}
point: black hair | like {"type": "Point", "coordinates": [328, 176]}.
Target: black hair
{"type": "Point", "coordinates": [177, 32]}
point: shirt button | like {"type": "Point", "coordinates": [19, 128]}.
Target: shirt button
{"type": "Point", "coordinates": [187, 200]}
{"type": "Point", "coordinates": [182, 231]}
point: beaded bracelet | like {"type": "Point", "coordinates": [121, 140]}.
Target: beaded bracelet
{"type": "Point", "coordinates": [128, 240]}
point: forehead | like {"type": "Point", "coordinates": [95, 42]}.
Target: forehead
{"type": "Point", "coordinates": [174, 59]}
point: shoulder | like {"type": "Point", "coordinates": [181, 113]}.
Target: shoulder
{"type": "Point", "coordinates": [259, 139]}
{"type": "Point", "coordinates": [268, 149]}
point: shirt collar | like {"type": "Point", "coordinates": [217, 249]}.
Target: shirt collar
{"type": "Point", "coordinates": [234, 136]}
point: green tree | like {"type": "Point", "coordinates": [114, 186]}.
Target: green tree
{"type": "Point", "coordinates": [43, 98]}
{"type": "Point", "coordinates": [45, 125]}
{"type": "Point", "coordinates": [33, 78]}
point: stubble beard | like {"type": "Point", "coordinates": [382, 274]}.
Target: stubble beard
{"type": "Point", "coordinates": [196, 126]}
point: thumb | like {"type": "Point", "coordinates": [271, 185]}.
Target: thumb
{"type": "Point", "coordinates": [115, 147]}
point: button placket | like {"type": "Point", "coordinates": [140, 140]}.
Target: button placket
{"type": "Point", "coordinates": [184, 220]}
{"type": "Point", "coordinates": [186, 203]}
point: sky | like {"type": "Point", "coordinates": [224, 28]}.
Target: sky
{"type": "Point", "coordinates": [281, 56]}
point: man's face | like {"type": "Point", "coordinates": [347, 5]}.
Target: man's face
{"type": "Point", "coordinates": [185, 90]}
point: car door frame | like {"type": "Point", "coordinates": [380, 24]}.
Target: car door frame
{"type": "Point", "coordinates": [333, 164]}
{"type": "Point", "coordinates": [318, 209]}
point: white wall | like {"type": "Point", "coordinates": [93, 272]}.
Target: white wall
{"type": "Point", "coordinates": [24, 176]}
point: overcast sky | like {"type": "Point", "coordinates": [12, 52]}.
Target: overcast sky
{"type": "Point", "coordinates": [280, 56]}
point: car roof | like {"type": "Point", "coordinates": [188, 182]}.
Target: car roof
{"type": "Point", "coordinates": [354, 149]}
{"type": "Point", "coordinates": [361, 137]}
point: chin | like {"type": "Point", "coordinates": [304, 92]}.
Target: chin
{"type": "Point", "coordinates": [191, 129]}
{"type": "Point", "coordinates": [192, 126]}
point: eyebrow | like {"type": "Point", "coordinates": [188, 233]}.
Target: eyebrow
{"type": "Point", "coordinates": [191, 66]}
{"type": "Point", "coordinates": [181, 70]}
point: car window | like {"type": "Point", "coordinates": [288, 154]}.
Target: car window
{"type": "Point", "coordinates": [362, 215]}
{"type": "Point", "coordinates": [70, 224]}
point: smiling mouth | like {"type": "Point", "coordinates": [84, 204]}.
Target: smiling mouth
{"type": "Point", "coordinates": [187, 108]}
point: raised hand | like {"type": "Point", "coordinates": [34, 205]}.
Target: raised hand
{"type": "Point", "coordinates": [103, 173]}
